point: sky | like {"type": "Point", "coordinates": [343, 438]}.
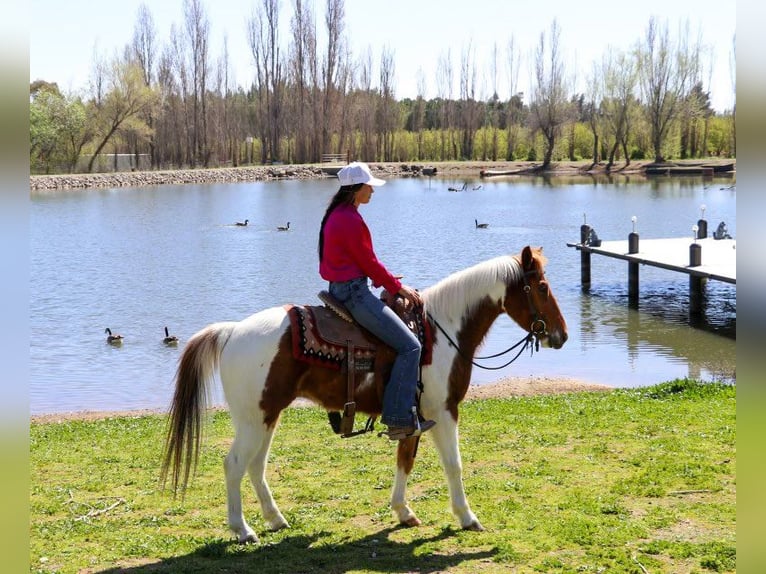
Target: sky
{"type": "Point", "coordinates": [64, 35]}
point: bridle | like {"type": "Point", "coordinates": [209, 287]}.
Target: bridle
{"type": "Point", "coordinates": [537, 329]}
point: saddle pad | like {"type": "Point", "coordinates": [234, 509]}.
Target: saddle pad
{"type": "Point", "coordinates": [320, 337]}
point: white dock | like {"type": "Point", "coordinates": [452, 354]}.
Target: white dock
{"type": "Point", "coordinates": [701, 259]}
{"type": "Point", "coordinates": [719, 256]}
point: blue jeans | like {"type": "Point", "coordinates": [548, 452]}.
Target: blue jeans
{"type": "Point", "coordinates": [375, 316]}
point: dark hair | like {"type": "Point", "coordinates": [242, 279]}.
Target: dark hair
{"type": "Point", "coordinates": [345, 195]}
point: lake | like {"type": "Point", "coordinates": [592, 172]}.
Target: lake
{"type": "Point", "coordinates": [139, 259]}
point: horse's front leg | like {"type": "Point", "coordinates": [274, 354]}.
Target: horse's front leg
{"type": "Point", "coordinates": [445, 437]}
{"type": "Point", "coordinates": [405, 460]}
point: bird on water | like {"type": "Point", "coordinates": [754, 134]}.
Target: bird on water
{"type": "Point", "coordinates": [284, 227]}
{"type": "Point", "coordinates": [480, 225]}
{"type": "Point", "coordinates": [169, 339]}
{"type": "Point", "coordinates": [243, 224]}
{"type": "Point", "coordinates": [113, 339]}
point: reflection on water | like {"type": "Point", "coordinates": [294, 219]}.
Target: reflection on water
{"type": "Point", "coordinates": [138, 259]}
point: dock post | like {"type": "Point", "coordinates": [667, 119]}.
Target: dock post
{"type": "Point", "coordinates": [695, 282]}
{"type": "Point", "coordinates": [584, 258]}
{"type": "Point", "coordinates": [701, 229]}
{"type": "Point", "coordinates": [702, 223]}
{"type": "Point", "coordinates": [633, 270]}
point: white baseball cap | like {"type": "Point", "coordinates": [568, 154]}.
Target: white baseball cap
{"type": "Point", "coordinates": [358, 172]}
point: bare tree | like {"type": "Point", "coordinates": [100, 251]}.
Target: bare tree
{"type": "Point", "coordinates": [388, 111]}
{"type": "Point", "coordinates": [366, 107]}
{"type": "Point", "coordinates": [144, 48]}
{"type": "Point", "coordinates": [263, 37]}
{"type": "Point", "coordinates": [469, 114]}
{"type": "Point", "coordinates": [197, 27]}
{"type": "Point", "coordinates": [335, 22]}
{"type": "Point", "coordinates": [549, 106]}
{"type": "Point", "coordinates": [302, 54]}
{"type": "Point", "coordinates": [444, 86]}
{"type": "Point", "coordinates": [667, 72]}
{"type": "Point", "coordinates": [618, 103]}
{"type": "Point", "coordinates": [514, 100]}
{"type": "Point", "coordinates": [592, 113]}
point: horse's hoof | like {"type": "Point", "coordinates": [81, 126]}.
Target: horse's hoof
{"type": "Point", "coordinates": [411, 522]}
{"type": "Point", "coordinates": [248, 538]}
{"type": "Point", "coordinates": [475, 526]}
{"type": "Point", "coordinates": [279, 526]}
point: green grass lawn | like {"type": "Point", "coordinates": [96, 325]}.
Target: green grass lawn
{"type": "Point", "coordinates": [627, 481]}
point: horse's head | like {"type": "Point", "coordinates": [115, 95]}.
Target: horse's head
{"type": "Point", "coordinates": [531, 302]}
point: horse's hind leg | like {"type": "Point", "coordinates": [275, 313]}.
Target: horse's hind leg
{"type": "Point", "coordinates": [257, 471]}
{"type": "Point", "coordinates": [248, 441]}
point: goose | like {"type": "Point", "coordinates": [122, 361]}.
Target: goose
{"type": "Point", "coordinates": [240, 224]}
{"type": "Point", "coordinates": [480, 225]}
{"type": "Point", "coordinates": [169, 339]}
{"type": "Point", "coordinates": [476, 187]}
{"type": "Point", "coordinates": [113, 339]}
{"type": "Point", "coordinates": [458, 188]}
{"type": "Point", "coordinates": [284, 227]}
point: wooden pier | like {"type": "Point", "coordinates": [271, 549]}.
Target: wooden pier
{"type": "Point", "coordinates": [702, 259]}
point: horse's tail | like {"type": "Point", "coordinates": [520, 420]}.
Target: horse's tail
{"type": "Point", "coordinates": [196, 368]}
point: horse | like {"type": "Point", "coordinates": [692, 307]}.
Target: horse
{"type": "Point", "coordinates": [260, 377]}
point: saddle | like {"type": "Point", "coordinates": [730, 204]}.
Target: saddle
{"type": "Point", "coordinates": [328, 336]}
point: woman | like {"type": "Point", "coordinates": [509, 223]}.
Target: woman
{"type": "Point", "coordinates": [348, 261]}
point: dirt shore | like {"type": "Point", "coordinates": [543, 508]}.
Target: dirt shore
{"type": "Point", "coordinates": [504, 388]}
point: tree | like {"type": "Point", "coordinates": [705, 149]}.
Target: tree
{"type": "Point", "coordinates": [666, 72]}
{"type": "Point", "coordinates": [549, 107]}
{"type": "Point", "coordinates": [144, 47]}
{"type": "Point", "coordinates": [618, 103]}
{"type": "Point", "coordinates": [123, 106]}
{"type": "Point", "coordinates": [515, 100]}
{"type": "Point", "coordinates": [388, 111]}
{"type": "Point", "coordinates": [197, 28]}
{"type": "Point", "coordinates": [263, 37]}
{"type": "Point", "coordinates": [335, 22]}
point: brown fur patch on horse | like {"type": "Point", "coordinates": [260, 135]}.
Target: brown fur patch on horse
{"type": "Point", "coordinates": [470, 336]}
{"type": "Point", "coordinates": [405, 454]}
{"type": "Point", "coordinates": [288, 378]}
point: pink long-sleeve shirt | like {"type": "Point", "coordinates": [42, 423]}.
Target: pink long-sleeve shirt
{"type": "Point", "coordinates": [348, 252]}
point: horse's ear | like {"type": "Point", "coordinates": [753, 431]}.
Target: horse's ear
{"type": "Point", "coordinates": [526, 258]}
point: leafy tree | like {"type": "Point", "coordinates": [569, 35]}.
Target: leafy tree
{"type": "Point", "coordinates": [124, 105]}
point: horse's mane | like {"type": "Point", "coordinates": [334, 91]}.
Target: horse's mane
{"type": "Point", "coordinates": [459, 292]}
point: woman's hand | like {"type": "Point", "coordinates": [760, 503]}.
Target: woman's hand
{"type": "Point", "coordinates": [411, 295]}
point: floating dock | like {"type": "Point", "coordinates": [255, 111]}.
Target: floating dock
{"type": "Point", "coordinates": [702, 259]}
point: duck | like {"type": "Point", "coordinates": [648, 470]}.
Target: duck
{"type": "Point", "coordinates": [480, 225]}
{"type": "Point", "coordinates": [169, 339]}
{"type": "Point", "coordinates": [284, 227]}
{"type": "Point", "coordinates": [465, 185]}
{"type": "Point", "coordinates": [113, 339]}
{"type": "Point", "coordinates": [242, 224]}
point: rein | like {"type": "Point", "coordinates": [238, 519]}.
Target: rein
{"type": "Point", "coordinates": [536, 329]}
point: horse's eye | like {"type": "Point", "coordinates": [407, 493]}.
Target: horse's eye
{"type": "Point", "coordinates": [543, 287]}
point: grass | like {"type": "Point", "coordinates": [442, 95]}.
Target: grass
{"type": "Point", "coordinates": [629, 481]}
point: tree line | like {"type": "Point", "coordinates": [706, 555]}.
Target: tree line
{"type": "Point", "coordinates": [174, 106]}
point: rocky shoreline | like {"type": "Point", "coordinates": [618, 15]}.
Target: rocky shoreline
{"type": "Point", "coordinates": [205, 176]}
{"type": "Point", "coordinates": [453, 169]}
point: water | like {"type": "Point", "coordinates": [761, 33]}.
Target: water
{"type": "Point", "coordinates": [138, 259]}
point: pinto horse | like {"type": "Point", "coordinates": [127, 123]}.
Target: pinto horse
{"type": "Point", "coordinates": [260, 378]}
